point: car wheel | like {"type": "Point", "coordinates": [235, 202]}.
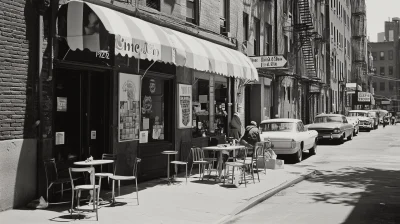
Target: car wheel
{"type": "Point", "coordinates": [298, 156]}
{"type": "Point", "coordinates": [313, 150]}
{"type": "Point", "coordinates": [350, 137]}
{"type": "Point", "coordinates": [341, 139]}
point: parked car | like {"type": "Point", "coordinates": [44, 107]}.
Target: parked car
{"type": "Point", "coordinates": [332, 127]}
{"type": "Point", "coordinates": [289, 137]}
{"type": "Point", "coordinates": [375, 116]}
{"type": "Point", "coordinates": [366, 122]}
{"type": "Point", "coordinates": [355, 122]}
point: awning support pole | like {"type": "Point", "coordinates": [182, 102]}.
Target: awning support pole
{"type": "Point", "coordinates": [148, 69]}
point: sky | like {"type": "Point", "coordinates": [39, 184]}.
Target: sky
{"type": "Point", "coordinates": [379, 11]}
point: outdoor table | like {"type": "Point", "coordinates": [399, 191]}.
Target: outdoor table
{"type": "Point", "coordinates": [168, 153]}
{"type": "Point", "coordinates": [221, 148]}
{"type": "Point", "coordinates": [92, 177]}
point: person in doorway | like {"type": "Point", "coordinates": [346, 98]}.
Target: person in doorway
{"type": "Point", "coordinates": [236, 126]}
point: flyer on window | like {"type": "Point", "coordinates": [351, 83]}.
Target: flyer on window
{"type": "Point", "coordinates": [129, 107]}
{"type": "Point", "coordinates": [185, 106]}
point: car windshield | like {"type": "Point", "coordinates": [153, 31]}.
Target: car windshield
{"type": "Point", "coordinates": [328, 119]}
{"type": "Point", "coordinates": [358, 114]}
{"type": "Point", "coordinates": [278, 126]}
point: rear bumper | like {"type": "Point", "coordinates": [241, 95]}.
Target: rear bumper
{"type": "Point", "coordinates": [281, 151]}
{"type": "Point", "coordinates": [331, 136]}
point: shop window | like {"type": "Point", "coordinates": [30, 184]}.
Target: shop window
{"type": "Point", "coordinates": [390, 70]}
{"type": "Point", "coordinates": [192, 11]}
{"type": "Point", "coordinates": [156, 96]}
{"type": "Point", "coordinates": [210, 97]}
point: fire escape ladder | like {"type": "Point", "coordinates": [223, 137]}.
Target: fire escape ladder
{"type": "Point", "coordinates": [306, 25]}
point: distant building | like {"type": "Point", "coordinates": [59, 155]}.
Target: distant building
{"type": "Point", "coordinates": [381, 37]}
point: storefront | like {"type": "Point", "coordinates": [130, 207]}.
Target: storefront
{"type": "Point", "coordinates": [132, 88]}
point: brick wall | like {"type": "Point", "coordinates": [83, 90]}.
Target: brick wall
{"type": "Point", "coordinates": [17, 66]}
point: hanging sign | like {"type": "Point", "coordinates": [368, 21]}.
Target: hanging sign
{"type": "Point", "coordinates": [273, 61]}
{"type": "Point", "coordinates": [364, 97]}
{"type": "Point", "coordinates": [185, 106]}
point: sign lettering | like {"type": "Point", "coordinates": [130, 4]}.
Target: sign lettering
{"type": "Point", "coordinates": [273, 61]}
{"type": "Point", "coordinates": [103, 54]}
{"type": "Point", "coordinates": [364, 97]}
{"type": "Point", "coordinates": [137, 48]}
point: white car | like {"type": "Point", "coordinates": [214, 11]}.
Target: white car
{"type": "Point", "coordinates": [365, 120]}
{"type": "Point", "coordinates": [288, 136]}
{"type": "Point", "coordinates": [356, 124]}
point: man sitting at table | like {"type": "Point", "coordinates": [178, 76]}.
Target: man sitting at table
{"type": "Point", "coordinates": [250, 137]}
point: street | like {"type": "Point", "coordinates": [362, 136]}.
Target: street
{"type": "Point", "coordinates": [357, 182]}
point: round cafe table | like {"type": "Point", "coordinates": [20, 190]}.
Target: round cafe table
{"type": "Point", "coordinates": [93, 163]}
{"type": "Point", "coordinates": [168, 153]}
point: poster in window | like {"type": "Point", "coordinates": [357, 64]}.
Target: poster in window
{"type": "Point", "coordinates": [184, 106]}
{"type": "Point", "coordinates": [62, 104]}
{"type": "Point", "coordinates": [129, 107]}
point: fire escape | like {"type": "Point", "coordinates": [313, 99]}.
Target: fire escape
{"type": "Point", "coordinates": [305, 30]}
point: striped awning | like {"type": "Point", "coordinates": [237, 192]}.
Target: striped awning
{"type": "Point", "coordinates": [140, 39]}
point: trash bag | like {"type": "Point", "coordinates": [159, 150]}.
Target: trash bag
{"type": "Point", "coordinates": [38, 203]}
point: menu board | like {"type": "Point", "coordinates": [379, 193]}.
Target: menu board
{"type": "Point", "coordinates": [185, 106]}
{"type": "Point", "coordinates": [129, 107]}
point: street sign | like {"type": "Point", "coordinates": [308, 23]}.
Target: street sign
{"type": "Point", "coordinates": [273, 61]}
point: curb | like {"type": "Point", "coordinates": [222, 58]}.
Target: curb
{"type": "Point", "coordinates": [262, 197]}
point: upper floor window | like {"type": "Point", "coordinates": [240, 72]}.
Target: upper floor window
{"type": "Point", "coordinates": [391, 55]}
{"type": "Point", "coordinates": [374, 85]}
{"type": "Point", "coordinates": [390, 70]}
{"type": "Point", "coordinates": [374, 56]}
{"type": "Point", "coordinates": [382, 71]}
{"type": "Point", "coordinates": [382, 86]}
{"type": "Point", "coordinates": [245, 26]}
{"type": "Point", "coordinates": [392, 86]}
{"type": "Point", "coordinates": [268, 39]}
{"type": "Point", "coordinates": [224, 17]}
{"type": "Point", "coordinates": [382, 55]}
{"type": "Point", "coordinates": [192, 12]}
{"type": "Point", "coordinates": [155, 4]}
{"type": "Point", "coordinates": [257, 36]}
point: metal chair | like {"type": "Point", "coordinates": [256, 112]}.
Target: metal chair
{"type": "Point", "coordinates": [119, 178]}
{"type": "Point", "coordinates": [52, 178]}
{"type": "Point", "coordinates": [239, 163]}
{"type": "Point", "coordinates": [199, 159]}
{"type": "Point", "coordinates": [85, 187]}
{"type": "Point", "coordinates": [102, 175]}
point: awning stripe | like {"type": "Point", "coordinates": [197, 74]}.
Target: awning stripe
{"type": "Point", "coordinates": [137, 38]}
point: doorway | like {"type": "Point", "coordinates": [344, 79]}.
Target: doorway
{"type": "Point", "coordinates": [82, 114]}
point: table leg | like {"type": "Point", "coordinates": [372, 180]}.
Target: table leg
{"type": "Point", "coordinates": [168, 169]}
{"type": "Point", "coordinates": [220, 165]}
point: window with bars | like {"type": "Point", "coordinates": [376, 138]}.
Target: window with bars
{"type": "Point", "coordinates": [155, 4]}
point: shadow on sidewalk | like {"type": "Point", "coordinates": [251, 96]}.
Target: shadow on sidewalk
{"type": "Point", "coordinates": [375, 195]}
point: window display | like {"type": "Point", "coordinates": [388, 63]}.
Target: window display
{"type": "Point", "coordinates": [154, 96]}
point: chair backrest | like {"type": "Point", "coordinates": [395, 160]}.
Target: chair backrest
{"type": "Point", "coordinates": [90, 170]}
{"type": "Point", "coordinates": [197, 153]}
{"type": "Point", "coordinates": [135, 165]}
{"type": "Point", "coordinates": [241, 154]}
{"type": "Point", "coordinates": [258, 149]}
{"type": "Point", "coordinates": [50, 169]}
{"type": "Point", "coordinates": [106, 156]}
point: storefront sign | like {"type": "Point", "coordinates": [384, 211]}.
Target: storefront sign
{"type": "Point", "coordinates": [62, 104]}
{"type": "Point", "coordinates": [274, 61]}
{"type": "Point", "coordinates": [185, 106]}
{"type": "Point", "coordinates": [351, 88]}
{"type": "Point", "coordinates": [137, 48]}
{"type": "Point", "coordinates": [385, 102]}
{"type": "Point", "coordinates": [129, 107]}
{"type": "Point", "coordinates": [314, 89]}
{"type": "Point", "coordinates": [364, 97]}
{"type": "Point", "coordinates": [103, 54]}
{"type": "Point", "coordinates": [93, 135]}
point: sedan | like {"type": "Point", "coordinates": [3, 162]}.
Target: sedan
{"type": "Point", "coordinates": [332, 127]}
{"type": "Point", "coordinates": [355, 122]}
{"type": "Point", "coordinates": [289, 137]}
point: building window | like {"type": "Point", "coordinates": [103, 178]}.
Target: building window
{"type": "Point", "coordinates": [268, 39]}
{"type": "Point", "coordinates": [391, 55]}
{"type": "Point", "coordinates": [374, 86]}
{"type": "Point", "coordinates": [374, 56]}
{"type": "Point", "coordinates": [382, 71]}
{"type": "Point", "coordinates": [192, 11]}
{"type": "Point", "coordinates": [285, 6]}
{"type": "Point", "coordinates": [382, 86]}
{"type": "Point", "coordinates": [286, 42]}
{"type": "Point", "coordinates": [390, 70]}
{"type": "Point", "coordinates": [155, 4]}
{"type": "Point", "coordinates": [245, 26]}
{"type": "Point", "coordinates": [391, 86]}
{"type": "Point", "coordinates": [382, 56]}
{"type": "Point", "coordinates": [224, 17]}
{"type": "Point", "coordinates": [257, 36]}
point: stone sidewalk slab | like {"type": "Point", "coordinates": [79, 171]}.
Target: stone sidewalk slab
{"type": "Point", "coordinates": [197, 201]}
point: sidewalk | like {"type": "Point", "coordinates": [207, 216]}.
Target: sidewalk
{"type": "Point", "coordinates": [197, 202]}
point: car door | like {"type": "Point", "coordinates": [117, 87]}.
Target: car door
{"type": "Point", "coordinates": [305, 134]}
{"type": "Point", "coordinates": [347, 127]}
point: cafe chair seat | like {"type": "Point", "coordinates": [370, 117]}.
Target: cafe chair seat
{"type": "Point", "coordinates": [104, 174]}
{"type": "Point", "coordinates": [119, 177]}
{"type": "Point", "coordinates": [179, 162]}
{"type": "Point", "coordinates": [86, 187]}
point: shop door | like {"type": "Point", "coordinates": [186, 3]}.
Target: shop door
{"type": "Point", "coordinates": [85, 120]}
